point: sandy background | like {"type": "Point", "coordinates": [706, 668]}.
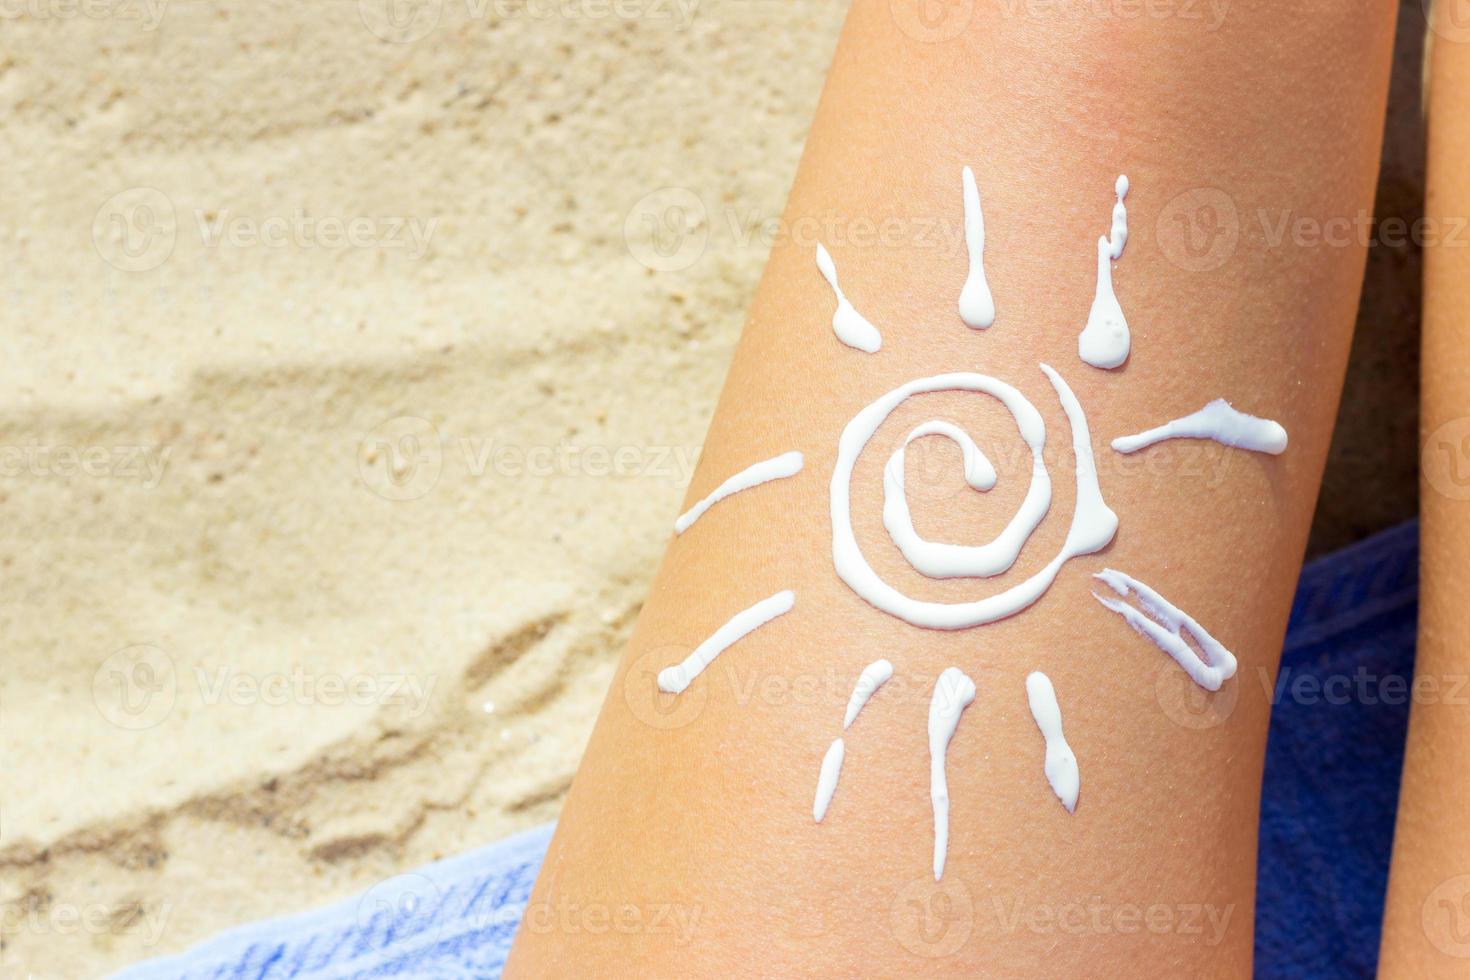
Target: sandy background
{"type": "Point", "coordinates": [349, 386]}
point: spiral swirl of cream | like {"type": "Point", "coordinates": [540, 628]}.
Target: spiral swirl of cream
{"type": "Point", "coordinates": [1092, 528]}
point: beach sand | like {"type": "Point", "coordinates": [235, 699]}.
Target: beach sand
{"type": "Point", "coordinates": [353, 375]}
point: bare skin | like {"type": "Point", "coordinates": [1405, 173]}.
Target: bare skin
{"type": "Point", "coordinates": [1426, 929]}
{"type": "Point", "coordinates": [687, 845]}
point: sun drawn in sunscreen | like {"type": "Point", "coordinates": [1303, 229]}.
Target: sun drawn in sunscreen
{"type": "Point", "coordinates": [1217, 421]}
{"type": "Point", "coordinates": [827, 779]}
{"type": "Point", "coordinates": [874, 676]}
{"type": "Point", "coordinates": [673, 680]}
{"type": "Point", "coordinates": [1060, 765]}
{"type": "Point", "coordinates": [850, 326]}
{"type": "Point", "coordinates": [1118, 235]}
{"type": "Point", "coordinates": [787, 464]}
{"type": "Point", "coordinates": [1104, 343]}
{"type": "Point", "coordinates": [1167, 625]}
{"type": "Point", "coordinates": [977, 306]}
{"type": "Point", "coordinates": [953, 693]}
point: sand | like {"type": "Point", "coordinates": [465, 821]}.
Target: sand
{"type": "Point", "coordinates": [248, 667]}
{"type": "Point", "coordinates": [349, 389]}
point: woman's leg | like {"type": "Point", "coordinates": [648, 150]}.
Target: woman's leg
{"type": "Point", "coordinates": [1250, 135]}
{"type": "Point", "coordinates": [1426, 929]}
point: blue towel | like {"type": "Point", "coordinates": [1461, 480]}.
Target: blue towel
{"type": "Point", "coordinates": [1327, 812]}
{"type": "Point", "coordinates": [1333, 760]}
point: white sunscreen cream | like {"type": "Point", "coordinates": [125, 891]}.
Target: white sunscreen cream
{"type": "Point", "coordinates": [1093, 523]}
{"type": "Point", "coordinates": [977, 306]}
{"type": "Point", "coordinates": [673, 680]}
{"type": "Point", "coordinates": [1119, 233]}
{"type": "Point", "coordinates": [1209, 668]}
{"type": "Point", "coordinates": [1104, 342]}
{"type": "Point", "coordinates": [1061, 763]}
{"type": "Point", "coordinates": [1217, 421]}
{"type": "Point", "coordinates": [953, 693]}
{"type": "Point", "coordinates": [850, 326]}
{"type": "Point", "coordinates": [827, 780]}
{"type": "Point", "coordinates": [787, 464]}
{"type": "Point", "coordinates": [940, 560]}
{"type": "Point", "coordinates": [874, 676]}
